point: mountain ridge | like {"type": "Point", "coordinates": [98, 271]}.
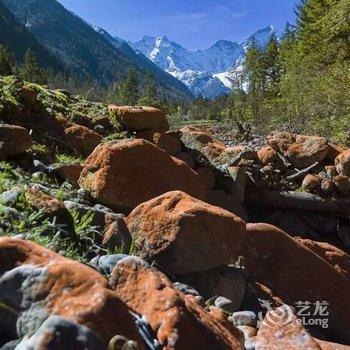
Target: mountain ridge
{"type": "Point", "coordinates": [207, 71]}
{"type": "Point", "coordinates": [87, 53]}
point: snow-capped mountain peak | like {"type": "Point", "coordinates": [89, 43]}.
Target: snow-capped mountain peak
{"type": "Point", "coordinates": [206, 72]}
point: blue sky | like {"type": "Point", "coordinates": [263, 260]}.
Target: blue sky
{"type": "Point", "coordinates": [195, 24]}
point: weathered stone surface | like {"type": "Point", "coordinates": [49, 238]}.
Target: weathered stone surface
{"type": "Point", "coordinates": [342, 163]}
{"type": "Point", "coordinates": [225, 304]}
{"type": "Point", "coordinates": [140, 118]}
{"type": "Point", "coordinates": [204, 149]}
{"type": "Point", "coordinates": [327, 186]}
{"type": "Point", "coordinates": [178, 320]}
{"type": "Point", "coordinates": [281, 330]}
{"type": "Point", "coordinates": [184, 234]}
{"type": "Point", "coordinates": [302, 151]}
{"type": "Point", "coordinates": [60, 333]}
{"type": "Point", "coordinates": [207, 177]}
{"type": "Point", "coordinates": [222, 317]}
{"type": "Point", "coordinates": [294, 273]}
{"type": "Point", "coordinates": [14, 140]}
{"type": "Point", "coordinates": [50, 207]}
{"type": "Point", "coordinates": [81, 138]}
{"type": "Point", "coordinates": [124, 174]}
{"type": "Point", "coordinates": [234, 155]}
{"type": "Point", "coordinates": [117, 234]}
{"type": "Point", "coordinates": [224, 281]}
{"type": "Point", "coordinates": [334, 151]}
{"type": "Point", "coordinates": [311, 182]}
{"type": "Point", "coordinates": [324, 345]}
{"type": "Point", "coordinates": [342, 184]}
{"type": "Point", "coordinates": [165, 141]}
{"type": "Point", "coordinates": [268, 155]}
{"type": "Point", "coordinates": [244, 318]}
{"type": "Point", "coordinates": [39, 283]}
{"type": "Point", "coordinates": [186, 158]}
{"type": "Point", "coordinates": [226, 201]}
{"type": "Point", "coordinates": [333, 255]}
{"type": "Point", "coordinates": [67, 172]}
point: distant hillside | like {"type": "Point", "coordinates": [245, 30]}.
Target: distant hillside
{"type": "Point", "coordinates": [86, 52]}
{"type": "Point", "coordinates": [18, 38]}
{"type": "Point", "coordinates": [141, 61]}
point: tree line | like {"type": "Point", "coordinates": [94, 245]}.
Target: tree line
{"type": "Point", "coordinates": [300, 81]}
{"type": "Point", "coordinates": [29, 70]}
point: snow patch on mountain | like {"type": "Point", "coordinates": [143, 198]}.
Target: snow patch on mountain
{"type": "Point", "coordinates": [209, 72]}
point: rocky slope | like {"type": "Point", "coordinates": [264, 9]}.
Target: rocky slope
{"type": "Point", "coordinates": [117, 233]}
{"type": "Point", "coordinates": [206, 72]}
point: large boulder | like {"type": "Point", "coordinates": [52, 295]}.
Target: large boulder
{"type": "Point", "coordinates": [124, 174]}
{"type": "Point", "coordinates": [177, 319]}
{"type": "Point", "coordinates": [333, 255]}
{"type": "Point", "coordinates": [184, 234]}
{"type": "Point", "coordinates": [295, 273]}
{"type": "Point", "coordinates": [342, 163]}
{"type": "Point", "coordinates": [302, 151]}
{"type": "Point", "coordinates": [14, 140]}
{"type": "Point", "coordinates": [140, 118]}
{"type": "Point", "coordinates": [37, 283]}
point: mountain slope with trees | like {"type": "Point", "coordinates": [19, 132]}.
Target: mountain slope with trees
{"type": "Point", "coordinates": [18, 39]}
{"type": "Point", "coordinates": [87, 53]}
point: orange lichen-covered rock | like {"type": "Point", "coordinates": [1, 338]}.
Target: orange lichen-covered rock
{"type": "Point", "coordinates": [268, 155]}
{"type": "Point", "coordinates": [311, 182]}
{"type": "Point", "coordinates": [165, 141]}
{"type": "Point", "coordinates": [140, 118]}
{"type": "Point", "coordinates": [342, 163]}
{"type": "Point", "coordinates": [184, 234]}
{"type": "Point", "coordinates": [124, 174]}
{"type": "Point", "coordinates": [301, 150]}
{"type": "Point", "coordinates": [178, 320]}
{"type": "Point", "coordinates": [14, 140]}
{"type": "Point", "coordinates": [81, 138]}
{"type": "Point", "coordinates": [295, 273]}
{"type": "Point", "coordinates": [54, 285]}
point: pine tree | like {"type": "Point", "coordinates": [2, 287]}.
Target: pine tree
{"type": "Point", "coordinates": [128, 90]}
{"type": "Point", "coordinates": [254, 69]}
{"type": "Point", "coordinates": [30, 70]}
{"type": "Point", "coordinates": [273, 69]}
{"type": "Point", "coordinates": [149, 93]}
{"type": "Point", "coordinates": [7, 61]}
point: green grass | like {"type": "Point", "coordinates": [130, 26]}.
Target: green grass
{"type": "Point", "coordinates": [64, 158]}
